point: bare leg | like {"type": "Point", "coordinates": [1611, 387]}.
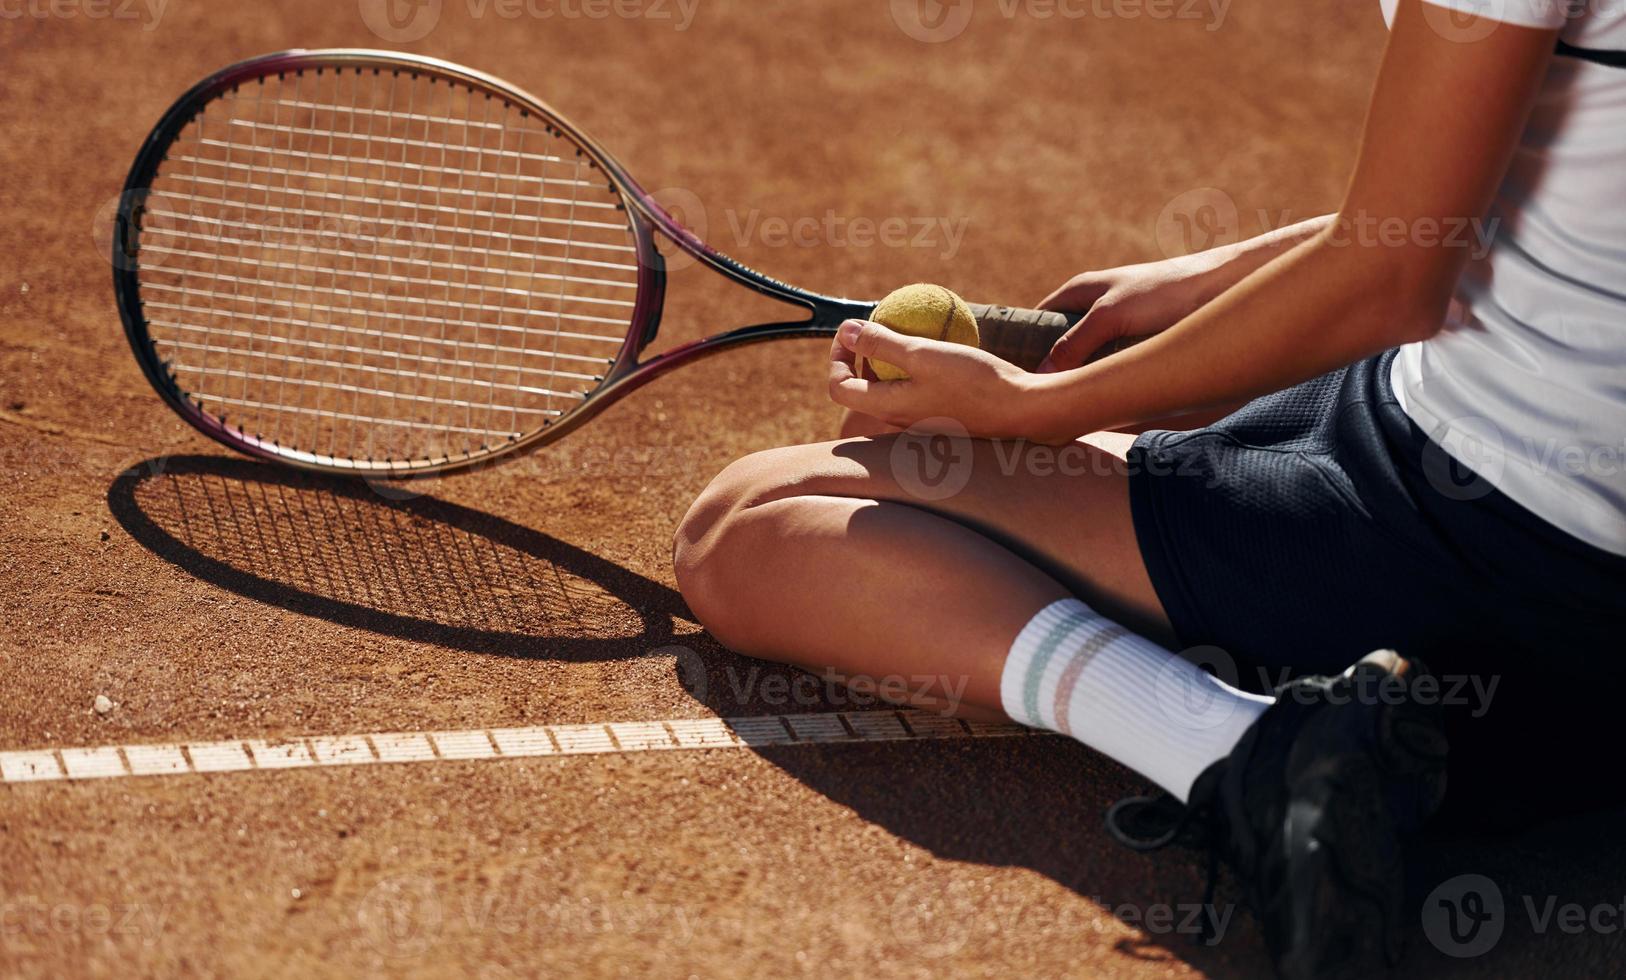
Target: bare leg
{"type": "Point", "coordinates": [820, 556]}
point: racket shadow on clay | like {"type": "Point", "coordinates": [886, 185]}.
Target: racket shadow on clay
{"type": "Point", "coordinates": [419, 568]}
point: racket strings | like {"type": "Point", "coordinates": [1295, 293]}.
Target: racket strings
{"type": "Point", "coordinates": [333, 543]}
{"type": "Point", "coordinates": [382, 269]}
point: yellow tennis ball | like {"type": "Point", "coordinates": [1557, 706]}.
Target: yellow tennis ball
{"type": "Point", "coordinates": [923, 310]}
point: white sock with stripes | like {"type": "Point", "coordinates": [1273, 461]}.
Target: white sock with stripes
{"type": "Point", "coordinates": [1073, 671]}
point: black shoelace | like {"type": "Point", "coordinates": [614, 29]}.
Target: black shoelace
{"type": "Point", "coordinates": [1181, 821]}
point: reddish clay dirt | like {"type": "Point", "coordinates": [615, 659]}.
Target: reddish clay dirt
{"type": "Point", "coordinates": [139, 562]}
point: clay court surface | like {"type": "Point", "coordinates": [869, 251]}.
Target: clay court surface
{"type": "Point", "coordinates": [215, 601]}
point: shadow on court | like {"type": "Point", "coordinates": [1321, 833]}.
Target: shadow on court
{"type": "Point", "coordinates": [429, 570]}
{"type": "Point", "coordinates": [1039, 804]}
{"type": "Point", "coordinates": [1035, 804]}
{"type": "Point", "coordinates": [1032, 803]}
{"type": "Point", "coordinates": [412, 567]}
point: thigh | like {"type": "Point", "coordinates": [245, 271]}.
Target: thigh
{"type": "Point", "coordinates": [1064, 509]}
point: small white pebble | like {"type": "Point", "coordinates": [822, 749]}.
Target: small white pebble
{"type": "Point", "coordinates": [103, 704]}
{"type": "Point", "coordinates": [297, 893]}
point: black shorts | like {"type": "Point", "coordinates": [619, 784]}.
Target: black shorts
{"type": "Point", "coordinates": [1319, 523]}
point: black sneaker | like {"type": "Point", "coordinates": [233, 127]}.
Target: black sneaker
{"type": "Point", "coordinates": [1312, 810]}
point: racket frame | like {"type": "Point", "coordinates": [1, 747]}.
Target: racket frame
{"type": "Point", "coordinates": [626, 372]}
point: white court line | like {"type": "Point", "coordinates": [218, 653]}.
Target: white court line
{"type": "Point", "coordinates": [608, 738]}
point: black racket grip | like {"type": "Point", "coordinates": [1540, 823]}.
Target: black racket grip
{"type": "Point", "coordinates": [1023, 337]}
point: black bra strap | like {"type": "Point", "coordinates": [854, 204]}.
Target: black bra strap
{"type": "Point", "coordinates": [1614, 59]}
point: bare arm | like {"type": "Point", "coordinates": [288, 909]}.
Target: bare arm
{"type": "Point", "coordinates": [1138, 300]}
{"type": "Point", "coordinates": [1443, 122]}
{"type": "Point", "coordinates": [1228, 265]}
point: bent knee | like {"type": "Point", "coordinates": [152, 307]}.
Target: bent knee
{"type": "Point", "coordinates": [701, 541]}
{"type": "Point", "coordinates": [728, 491]}
{"type": "Point", "coordinates": [758, 478]}
{"type": "Point", "coordinates": [725, 529]}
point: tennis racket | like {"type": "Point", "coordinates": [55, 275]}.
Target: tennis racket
{"type": "Point", "coordinates": [381, 264]}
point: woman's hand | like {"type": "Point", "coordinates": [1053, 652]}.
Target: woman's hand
{"type": "Point", "coordinates": [948, 385]}
{"type": "Point", "coordinates": [1126, 302]}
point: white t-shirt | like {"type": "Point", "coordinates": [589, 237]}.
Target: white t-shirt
{"type": "Point", "coordinates": [1526, 383]}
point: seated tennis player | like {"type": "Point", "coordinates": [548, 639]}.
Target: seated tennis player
{"type": "Point", "coordinates": [1399, 427]}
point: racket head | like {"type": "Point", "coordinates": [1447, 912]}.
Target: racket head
{"type": "Point", "coordinates": [380, 264]}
